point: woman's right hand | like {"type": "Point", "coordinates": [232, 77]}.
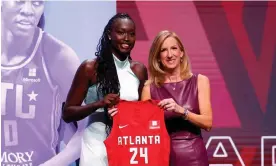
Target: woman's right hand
{"type": "Point", "coordinates": [110, 100]}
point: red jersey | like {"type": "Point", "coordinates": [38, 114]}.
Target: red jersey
{"type": "Point", "coordinates": [138, 136]}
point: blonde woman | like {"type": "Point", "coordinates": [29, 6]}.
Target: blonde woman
{"type": "Point", "coordinates": [184, 96]}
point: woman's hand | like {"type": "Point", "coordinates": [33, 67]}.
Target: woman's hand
{"type": "Point", "coordinates": [112, 111]}
{"type": "Point", "coordinates": [110, 100]}
{"type": "Point", "coordinates": [170, 105]}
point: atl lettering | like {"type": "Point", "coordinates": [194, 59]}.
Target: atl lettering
{"type": "Point", "coordinates": [10, 126]}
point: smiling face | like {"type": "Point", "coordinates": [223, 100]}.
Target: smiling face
{"type": "Point", "coordinates": [171, 54]}
{"type": "Point", "coordinates": [21, 16]}
{"type": "Point", "coordinates": [168, 57]}
{"type": "Point", "coordinates": [122, 36]}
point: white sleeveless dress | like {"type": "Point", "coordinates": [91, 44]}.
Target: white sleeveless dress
{"type": "Point", "coordinates": [93, 151]}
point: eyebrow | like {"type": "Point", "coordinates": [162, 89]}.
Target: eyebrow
{"type": "Point", "coordinates": [125, 28]}
{"type": "Point", "coordinates": [170, 46]}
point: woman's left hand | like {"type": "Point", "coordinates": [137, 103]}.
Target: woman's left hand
{"type": "Point", "coordinates": [112, 112]}
{"type": "Point", "coordinates": [170, 105]}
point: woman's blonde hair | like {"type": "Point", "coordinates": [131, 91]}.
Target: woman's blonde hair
{"type": "Point", "coordinates": [157, 72]}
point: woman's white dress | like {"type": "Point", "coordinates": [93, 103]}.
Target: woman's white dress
{"type": "Point", "coordinates": [93, 151]}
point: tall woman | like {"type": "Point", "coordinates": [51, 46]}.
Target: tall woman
{"type": "Point", "coordinates": [101, 82]}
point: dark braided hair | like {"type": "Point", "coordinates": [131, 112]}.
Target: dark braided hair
{"type": "Point", "coordinates": [107, 77]}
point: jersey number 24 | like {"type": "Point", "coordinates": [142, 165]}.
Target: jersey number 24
{"type": "Point", "coordinates": [143, 152]}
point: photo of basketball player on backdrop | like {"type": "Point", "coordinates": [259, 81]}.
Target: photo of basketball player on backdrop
{"type": "Point", "coordinates": [37, 70]}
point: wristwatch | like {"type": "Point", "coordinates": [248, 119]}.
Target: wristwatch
{"type": "Point", "coordinates": [186, 112]}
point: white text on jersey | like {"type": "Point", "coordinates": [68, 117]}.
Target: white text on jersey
{"type": "Point", "coordinates": [34, 80]}
{"type": "Point", "coordinates": [138, 140]}
{"type": "Point", "coordinates": [18, 158]}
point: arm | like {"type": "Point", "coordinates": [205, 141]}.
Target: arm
{"type": "Point", "coordinates": [146, 92]}
{"type": "Point", "coordinates": [73, 110]}
{"type": "Point", "coordinates": [204, 120]}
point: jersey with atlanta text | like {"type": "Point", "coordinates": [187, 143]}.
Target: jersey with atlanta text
{"type": "Point", "coordinates": [138, 136]}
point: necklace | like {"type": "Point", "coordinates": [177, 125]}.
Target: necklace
{"type": "Point", "coordinates": [173, 80]}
